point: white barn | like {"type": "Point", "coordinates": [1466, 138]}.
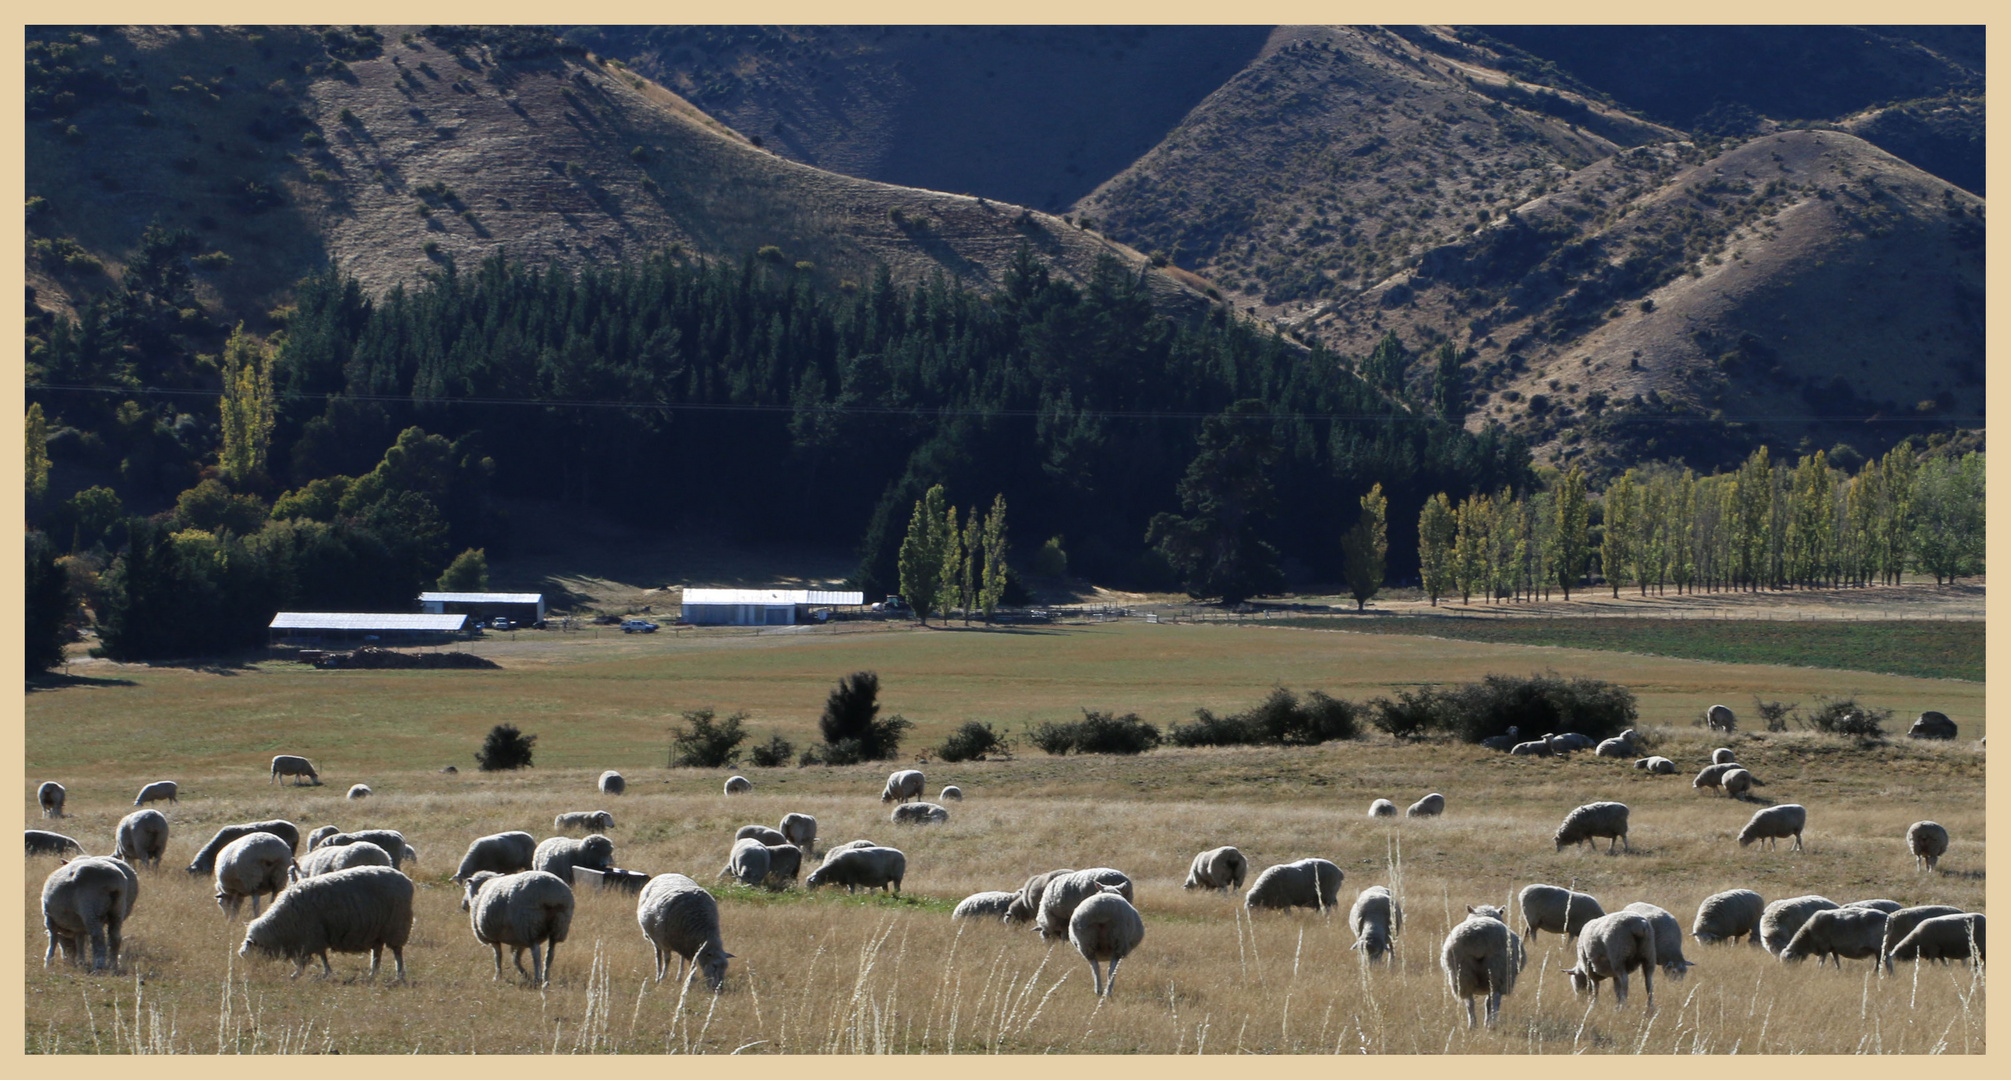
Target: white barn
{"type": "Point", "coordinates": [523, 608]}
{"type": "Point", "coordinates": [760, 607]}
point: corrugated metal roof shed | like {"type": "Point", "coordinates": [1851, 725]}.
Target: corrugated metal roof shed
{"type": "Point", "coordinates": [481, 597]}
{"type": "Point", "coordinates": [361, 620]}
{"type": "Point", "coordinates": [771, 596]}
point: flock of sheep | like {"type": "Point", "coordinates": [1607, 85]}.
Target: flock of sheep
{"type": "Point", "coordinates": [347, 892]}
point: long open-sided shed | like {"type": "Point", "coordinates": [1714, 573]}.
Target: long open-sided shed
{"type": "Point", "coordinates": [760, 607]}
{"type": "Point", "coordinates": [524, 608]}
{"type": "Point", "coordinates": [315, 627]}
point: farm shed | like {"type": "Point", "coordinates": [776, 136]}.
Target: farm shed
{"type": "Point", "coordinates": [316, 627]}
{"type": "Point", "coordinates": [760, 607]}
{"type": "Point", "coordinates": [524, 608]}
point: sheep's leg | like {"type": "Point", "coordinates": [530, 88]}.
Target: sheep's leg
{"type": "Point", "coordinates": [517, 958]}
{"type": "Point", "coordinates": [327, 969]}
{"type": "Point", "coordinates": [398, 961]}
{"type": "Point", "coordinates": [376, 959]}
{"type": "Point", "coordinates": [1798, 842]}
{"type": "Point", "coordinates": [1493, 1007]}
{"type": "Point", "coordinates": [537, 966]}
{"type": "Point", "coordinates": [1110, 981]}
{"type": "Point", "coordinates": [1648, 980]}
{"type": "Point", "coordinates": [498, 946]}
{"type": "Point", "coordinates": [551, 950]}
{"type": "Point", "coordinates": [299, 965]}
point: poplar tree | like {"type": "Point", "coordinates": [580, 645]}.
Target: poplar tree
{"type": "Point", "coordinates": [950, 569]}
{"type": "Point", "coordinates": [38, 452]}
{"type": "Point", "coordinates": [1365, 549]}
{"type": "Point", "coordinates": [1573, 518]}
{"type": "Point", "coordinates": [246, 407]}
{"type": "Point", "coordinates": [921, 555]}
{"type": "Point", "coordinates": [1437, 529]}
{"type": "Point", "coordinates": [1470, 547]}
{"type": "Point", "coordinates": [1622, 522]}
{"type": "Point", "coordinates": [969, 564]}
{"type": "Point", "coordinates": [995, 556]}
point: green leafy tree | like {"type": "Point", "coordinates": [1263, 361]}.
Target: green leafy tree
{"type": "Point", "coordinates": [704, 742]}
{"type": "Point", "coordinates": [38, 452]}
{"type": "Point", "coordinates": [921, 558]}
{"type": "Point", "coordinates": [995, 556]}
{"type": "Point", "coordinates": [247, 406]}
{"type": "Point", "coordinates": [1448, 388]}
{"type": "Point", "coordinates": [970, 564]}
{"type": "Point", "coordinates": [91, 514]}
{"type": "Point", "coordinates": [1365, 548]}
{"type": "Point", "coordinates": [46, 596]}
{"type": "Point", "coordinates": [1623, 523]}
{"type": "Point", "coordinates": [1469, 546]}
{"type": "Point", "coordinates": [505, 748]}
{"type": "Point", "coordinates": [1437, 528]}
{"type": "Point", "coordinates": [949, 571]}
{"type": "Point", "coordinates": [1228, 495]}
{"type": "Point", "coordinates": [212, 507]}
{"type": "Point", "coordinates": [1573, 518]}
{"type": "Point", "coordinates": [1948, 517]}
{"type": "Point", "coordinates": [469, 572]}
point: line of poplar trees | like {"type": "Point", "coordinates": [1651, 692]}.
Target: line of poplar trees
{"type": "Point", "coordinates": [1762, 526]}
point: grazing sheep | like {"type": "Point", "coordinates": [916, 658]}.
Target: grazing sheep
{"type": "Point", "coordinates": [1376, 918]}
{"type": "Point", "coordinates": [1504, 741]}
{"type": "Point", "coordinates": [358, 791]}
{"type": "Point", "coordinates": [296, 767]}
{"type": "Point", "coordinates": [1105, 927]}
{"type": "Point", "coordinates": [1312, 883]}
{"type": "Point", "coordinates": [1723, 756]}
{"type": "Point", "coordinates": [1064, 894]}
{"type": "Point", "coordinates": [679, 917]}
{"type": "Point", "coordinates": [1783, 917]}
{"type": "Point", "coordinates": [1479, 957]}
{"type": "Point", "coordinates": [522, 911]}
{"type": "Point", "coordinates": [411, 854]}
{"type": "Point", "coordinates": [51, 795]}
{"type": "Point", "coordinates": [799, 829]}
{"type": "Point", "coordinates": [1887, 906]}
{"type": "Point", "coordinates": [327, 860]}
{"type": "Point", "coordinates": [315, 838]}
{"type": "Point", "coordinates": [1773, 822]}
{"type": "Point", "coordinates": [1609, 948]}
{"type": "Point", "coordinates": [1668, 938]}
{"type": "Point", "coordinates": [251, 865]}
{"type": "Point", "coordinates": [391, 840]}
{"type": "Point", "coordinates": [1382, 808]}
{"type": "Point", "coordinates": [205, 859]}
{"type": "Point", "coordinates": [1845, 933]}
{"type": "Point", "coordinates": [952, 793]}
{"type": "Point", "coordinates": [1536, 748]}
{"type": "Point", "coordinates": [1656, 766]}
{"type": "Point", "coordinates": [735, 785]}
{"type": "Point", "coordinates": [1944, 937]}
{"type": "Point", "coordinates": [1713, 776]}
{"type": "Point", "coordinates": [157, 791]}
{"type": "Point", "coordinates": [501, 853]}
{"type": "Point", "coordinates": [921, 813]}
{"type": "Point", "coordinates": [1932, 725]}
{"type": "Point", "coordinates": [1720, 718]}
{"type": "Point", "coordinates": [1217, 868]}
{"type": "Point", "coordinates": [88, 899]}
{"type": "Point", "coordinates": [559, 854]}
{"type": "Point", "coordinates": [51, 843]}
{"type": "Point", "coordinates": [1728, 916]}
{"type": "Point", "coordinates": [984, 905]}
{"type": "Point", "coordinates": [1560, 911]}
{"type": "Point", "coordinates": [1594, 820]}
{"type": "Point", "coordinates": [611, 783]}
{"type": "Point", "coordinates": [761, 834]}
{"type": "Point", "coordinates": [903, 785]}
{"type": "Point", "coordinates": [848, 846]}
{"type": "Point", "coordinates": [362, 909]}
{"type": "Point", "coordinates": [142, 838]}
{"type": "Point", "coordinates": [1026, 902]}
{"type": "Point", "coordinates": [785, 861]}
{"type": "Point", "coordinates": [1431, 805]}
{"type": "Point", "coordinates": [1900, 923]}
{"type": "Point", "coordinates": [1928, 842]}
{"type": "Point", "coordinates": [1737, 782]}
{"type": "Point", "coordinates": [1615, 748]}
{"type": "Point", "coordinates": [584, 820]}
{"type": "Point", "coordinates": [856, 868]}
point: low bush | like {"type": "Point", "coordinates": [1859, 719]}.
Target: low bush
{"type": "Point", "coordinates": [1775, 715]}
{"type": "Point", "coordinates": [1281, 719]}
{"type": "Point", "coordinates": [1535, 704]}
{"type": "Point", "coordinates": [1096, 733]}
{"type": "Point", "coordinates": [971, 742]}
{"type": "Point", "coordinates": [702, 742]}
{"type": "Point", "coordinates": [1844, 716]}
{"type": "Point", "coordinates": [1413, 714]}
{"type": "Point", "coordinates": [773, 754]}
{"type": "Point", "coordinates": [505, 748]}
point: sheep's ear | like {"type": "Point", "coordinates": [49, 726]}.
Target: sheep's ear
{"type": "Point", "coordinates": [724, 955]}
{"type": "Point", "coordinates": [1355, 946]}
{"type": "Point", "coordinates": [1469, 910]}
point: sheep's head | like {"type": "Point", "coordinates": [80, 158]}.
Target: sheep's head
{"type": "Point", "coordinates": [1580, 980]}
{"type": "Point", "coordinates": [817, 877]}
{"type": "Point", "coordinates": [604, 820]}
{"type": "Point", "coordinates": [1485, 911]}
{"type": "Point", "coordinates": [473, 884]}
{"type": "Point", "coordinates": [712, 962]}
{"type": "Point", "coordinates": [596, 851]}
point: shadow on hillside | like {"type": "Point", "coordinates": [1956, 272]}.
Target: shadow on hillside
{"type": "Point", "coordinates": [63, 682]}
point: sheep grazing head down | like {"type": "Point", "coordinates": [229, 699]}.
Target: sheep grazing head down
{"type": "Point", "coordinates": [711, 962]}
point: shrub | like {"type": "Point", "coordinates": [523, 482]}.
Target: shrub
{"type": "Point", "coordinates": [1097, 733]}
{"type": "Point", "coordinates": [505, 748]}
{"type": "Point", "coordinates": [1413, 713]}
{"type": "Point", "coordinates": [851, 716]}
{"type": "Point", "coordinates": [1775, 715]}
{"type": "Point", "coordinates": [1536, 704]}
{"type": "Point", "coordinates": [1844, 716]}
{"type": "Point", "coordinates": [971, 742]}
{"type": "Point", "coordinates": [773, 754]}
{"type": "Point", "coordinates": [1281, 719]}
{"type": "Point", "coordinates": [703, 743]}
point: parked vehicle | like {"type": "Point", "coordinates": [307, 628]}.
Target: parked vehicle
{"type": "Point", "coordinates": [500, 623]}
{"type": "Point", "coordinates": [637, 626]}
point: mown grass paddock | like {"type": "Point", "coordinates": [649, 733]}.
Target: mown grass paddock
{"type": "Point", "coordinates": [829, 972]}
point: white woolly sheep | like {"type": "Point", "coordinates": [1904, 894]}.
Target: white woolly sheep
{"type": "Point", "coordinates": [1105, 927]}
{"type": "Point", "coordinates": [1534, 748]}
{"type": "Point", "coordinates": [902, 785]}
{"type": "Point", "coordinates": [1713, 776]}
{"type": "Point", "coordinates": [1932, 725]}
{"type": "Point", "coordinates": [1720, 718]}
{"type": "Point", "coordinates": [42, 842]}
{"type": "Point", "coordinates": [321, 833]}
{"type": "Point", "coordinates": [296, 767]}
{"type": "Point", "coordinates": [1592, 821]}
{"type": "Point", "coordinates": [1723, 756]}
{"type": "Point", "coordinates": [1773, 822]}
{"type": "Point", "coordinates": [735, 785]}
{"type": "Point", "coordinates": [1900, 923]}
{"type": "Point", "coordinates": [523, 911]}
{"type": "Point", "coordinates": [1844, 933]}
{"type": "Point", "coordinates": [158, 791]}
{"type": "Point", "coordinates": [1668, 938]}
{"type": "Point", "coordinates": [584, 820]}
{"type": "Point", "coordinates": [921, 813]}
{"type": "Point", "coordinates": [51, 795]}
{"type": "Point", "coordinates": [1656, 766]}
{"type": "Point", "coordinates": [611, 783]}
{"type": "Point", "coordinates": [1728, 916]}
{"type": "Point", "coordinates": [1504, 741]}
{"type": "Point", "coordinates": [88, 899]}
{"type": "Point", "coordinates": [1382, 808]}
{"type": "Point", "coordinates": [677, 916]}
{"type": "Point", "coordinates": [1609, 948]}
{"type": "Point", "coordinates": [1377, 919]}
{"type": "Point", "coordinates": [391, 840]}
{"type": "Point", "coordinates": [1217, 868]}
{"type": "Point", "coordinates": [1887, 906]}
{"type": "Point", "coordinates": [411, 854]}
{"type": "Point", "coordinates": [1479, 957]}
{"type": "Point", "coordinates": [856, 868]}
{"type": "Point", "coordinates": [1431, 805]}
{"type": "Point", "coordinates": [1026, 902]}
{"type": "Point", "coordinates": [952, 793]}
{"type": "Point", "coordinates": [358, 791]}
{"type": "Point", "coordinates": [1064, 894]}
{"type": "Point", "coordinates": [848, 846]}
{"type": "Point", "coordinates": [1783, 917]}
{"type": "Point", "coordinates": [1310, 883]}
{"type": "Point", "coordinates": [559, 854]}
{"type": "Point", "coordinates": [1614, 748]}
{"type": "Point", "coordinates": [333, 857]}
{"type": "Point", "coordinates": [1738, 782]}
{"type": "Point", "coordinates": [205, 859]}
{"type": "Point", "coordinates": [1570, 742]}
{"type": "Point", "coordinates": [251, 865]}
{"type": "Point", "coordinates": [798, 829]}
{"type": "Point", "coordinates": [1558, 910]}
{"type": "Point", "coordinates": [761, 833]}
{"type": "Point", "coordinates": [1944, 937]}
{"type": "Point", "coordinates": [1928, 842]}
{"type": "Point", "coordinates": [500, 853]}
{"type": "Point", "coordinates": [984, 905]}
{"type": "Point", "coordinates": [362, 909]}
{"type": "Point", "coordinates": [142, 838]}
{"type": "Point", "coordinates": [785, 862]}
